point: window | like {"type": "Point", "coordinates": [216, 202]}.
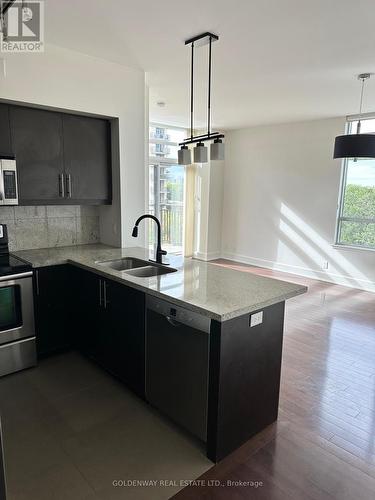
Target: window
{"type": "Point", "coordinates": [166, 186]}
{"type": "Point", "coordinates": [356, 218]}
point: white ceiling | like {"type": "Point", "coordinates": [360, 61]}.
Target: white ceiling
{"type": "Point", "coordinates": [276, 60]}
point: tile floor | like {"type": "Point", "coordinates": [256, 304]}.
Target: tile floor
{"type": "Point", "coordinates": [70, 430]}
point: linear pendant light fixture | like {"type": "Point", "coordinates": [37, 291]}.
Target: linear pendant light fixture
{"type": "Point", "coordinates": [200, 150]}
{"type": "Point", "coordinates": [356, 145]}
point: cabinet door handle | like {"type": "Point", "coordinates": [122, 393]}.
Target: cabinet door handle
{"type": "Point", "coordinates": [37, 281]}
{"type": "Point", "coordinates": [105, 301]}
{"type": "Point", "coordinates": [61, 186]}
{"type": "Point", "coordinates": [68, 186]}
{"type": "Point", "coordinates": [100, 293]}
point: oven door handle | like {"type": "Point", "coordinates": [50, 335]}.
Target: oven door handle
{"type": "Point", "coordinates": [15, 276]}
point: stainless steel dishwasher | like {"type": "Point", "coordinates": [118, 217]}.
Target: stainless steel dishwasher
{"type": "Point", "coordinates": [177, 356]}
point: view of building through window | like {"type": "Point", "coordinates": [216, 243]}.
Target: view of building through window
{"type": "Point", "coordinates": [166, 186]}
{"type": "Point", "coordinates": [356, 221]}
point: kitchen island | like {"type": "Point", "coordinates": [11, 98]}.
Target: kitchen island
{"type": "Point", "coordinates": [245, 318]}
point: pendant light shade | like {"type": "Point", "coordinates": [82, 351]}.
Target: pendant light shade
{"type": "Point", "coordinates": [184, 156]}
{"type": "Point", "coordinates": [355, 146]}
{"type": "Point", "coordinates": [217, 150]}
{"type": "Point", "coordinates": [200, 153]}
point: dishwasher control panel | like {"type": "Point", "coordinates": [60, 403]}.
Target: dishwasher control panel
{"type": "Point", "coordinates": [179, 314]}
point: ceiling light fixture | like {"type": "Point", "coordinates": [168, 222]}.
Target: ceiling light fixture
{"type": "Point", "coordinates": [217, 147]}
{"type": "Point", "coordinates": [356, 145]}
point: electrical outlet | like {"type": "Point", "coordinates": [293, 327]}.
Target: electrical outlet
{"type": "Point", "coordinates": [325, 264]}
{"type": "Point", "coordinates": [256, 319]}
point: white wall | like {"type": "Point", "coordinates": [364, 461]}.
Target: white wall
{"type": "Point", "coordinates": [67, 79]}
{"type": "Point", "coordinates": [280, 202]}
{"type": "Point", "coordinates": [215, 213]}
{"type": "Point", "coordinates": [208, 209]}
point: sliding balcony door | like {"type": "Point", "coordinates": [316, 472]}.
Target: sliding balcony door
{"type": "Point", "coordinates": [167, 188]}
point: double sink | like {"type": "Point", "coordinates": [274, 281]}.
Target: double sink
{"type": "Point", "coordinates": [137, 267]}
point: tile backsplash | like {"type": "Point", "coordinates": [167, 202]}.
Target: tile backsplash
{"type": "Point", "coordinates": [50, 226]}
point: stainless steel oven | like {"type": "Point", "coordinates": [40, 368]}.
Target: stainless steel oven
{"type": "Point", "coordinates": [17, 331]}
{"type": "Point", "coordinates": [8, 181]}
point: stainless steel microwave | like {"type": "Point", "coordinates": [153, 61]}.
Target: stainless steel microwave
{"type": "Point", "coordinates": [8, 182]}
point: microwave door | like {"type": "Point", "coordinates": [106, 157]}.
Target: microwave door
{"type": "Point", "coordinates": [9, 182]}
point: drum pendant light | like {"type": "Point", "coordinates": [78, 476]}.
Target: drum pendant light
{"type": "Point", "coordinates": [200, 150]}
{"type": "Point", "coordinates": [356, 145]}
{"type": "Point", "coordinates": [184, 156]}
{"type": "Point", "coordinates": [217, 150]}
{"type": "Point", "coordinates": [200, 153]}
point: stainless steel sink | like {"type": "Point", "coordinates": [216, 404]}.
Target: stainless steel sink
{"type": "Point", "coordinates": [137, 267]}
{"type": "Point", "coordinates": [149, 271]}
{"type": "Point", "coordinates": [124, 263]}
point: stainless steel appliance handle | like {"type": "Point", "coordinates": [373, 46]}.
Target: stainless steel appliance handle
{"type": "Point", "coordinates": [61, 186]}
{"type": "Point", "coordinates": [100, 293]}
{"type": "Point", "coordinates": [17, 342]}
{"type": "Point", "coordinates": [15, 276]}
{"type": "Point", "coordinates": [68, 186]}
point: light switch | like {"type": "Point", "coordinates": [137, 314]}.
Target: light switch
{"type": "Point", "coordinates": [256, 319]}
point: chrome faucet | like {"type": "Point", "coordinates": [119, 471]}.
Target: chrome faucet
{"type": "Point", "coordinates": [159, 251]}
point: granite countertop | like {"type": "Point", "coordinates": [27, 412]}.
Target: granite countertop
{"type": "Point", "coordinates": [211, 290]}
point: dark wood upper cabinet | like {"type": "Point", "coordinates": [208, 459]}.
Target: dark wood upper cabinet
{"type": "Point", "coordinates": [61, 158]}
{"type": "Point", "coordinates": [5, 141]}
{"type": "Point", "coordinates": [87, 158]}
{"type": "Point", "coordinates": [37, 145]}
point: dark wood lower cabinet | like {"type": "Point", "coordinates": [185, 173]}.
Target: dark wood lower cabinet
{"type": "Point", "coordinates": [123, 326]}
{"type": "Point", "coordinates": [53, 309]}
{"type": "Point", "coordinates": [86, 312]}
{"type": "Point", "coordinates": [110, 326]}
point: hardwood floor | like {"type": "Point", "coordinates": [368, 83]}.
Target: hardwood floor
{"type": "Point", "coordinates": [323, 445]}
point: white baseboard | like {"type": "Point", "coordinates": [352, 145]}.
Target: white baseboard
{"type": "Point", "coordinates": [207, 256]}
{"type": "Point", "coordinates": [321, 275]}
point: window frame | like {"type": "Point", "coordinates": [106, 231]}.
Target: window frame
{"type": "Point", "coordinates": [340, 207]}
